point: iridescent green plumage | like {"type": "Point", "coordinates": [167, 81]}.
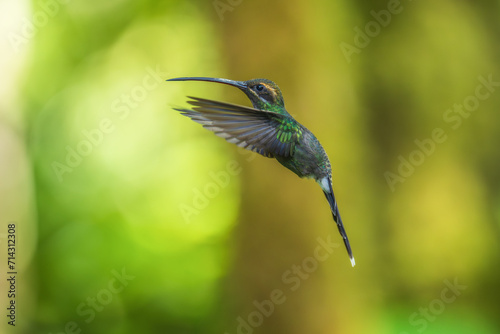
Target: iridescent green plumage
{"type": "Point", "coordinates": [269, 130]}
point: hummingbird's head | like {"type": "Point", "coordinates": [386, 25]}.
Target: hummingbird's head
{"type": "Point", "coordinates": [264, 94]}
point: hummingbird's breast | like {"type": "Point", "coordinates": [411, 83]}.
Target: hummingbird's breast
{"type": "Point", "coordinates": [309, 159]}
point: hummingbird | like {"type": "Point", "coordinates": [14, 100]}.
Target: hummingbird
{"type": "Point", "coordinates": [267, 129]}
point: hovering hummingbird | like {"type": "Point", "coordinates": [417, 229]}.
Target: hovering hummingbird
{"type": "Point", "coordinates": [269, 130]}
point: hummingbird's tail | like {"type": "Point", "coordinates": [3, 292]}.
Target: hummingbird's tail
{"type": "Point", "coordinates": [326, 185]}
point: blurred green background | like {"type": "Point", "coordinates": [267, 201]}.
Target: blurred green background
{"type": "Point", "coordinates": [132, 219]}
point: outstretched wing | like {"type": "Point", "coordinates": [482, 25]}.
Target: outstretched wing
{"type": "Point", "coordinates": [265, 132]}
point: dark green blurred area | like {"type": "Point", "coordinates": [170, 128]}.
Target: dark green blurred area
{"type": "Point", "coordinates": [133, 219]}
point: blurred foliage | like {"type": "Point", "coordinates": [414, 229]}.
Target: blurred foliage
{"type": "Point", "coordinates": [132, 219]}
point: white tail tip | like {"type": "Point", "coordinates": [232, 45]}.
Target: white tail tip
{"type": "Point", "coordinates": [353, 262]}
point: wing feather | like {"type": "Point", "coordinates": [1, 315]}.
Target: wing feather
{"type": "Point", "coordinates": [265, 132]}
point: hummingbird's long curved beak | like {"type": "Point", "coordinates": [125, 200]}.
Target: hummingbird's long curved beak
{"type": "Point", "coordinates": [239, 84]}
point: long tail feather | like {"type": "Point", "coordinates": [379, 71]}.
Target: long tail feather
{"type": "Point", "coordinates": [336, 217]}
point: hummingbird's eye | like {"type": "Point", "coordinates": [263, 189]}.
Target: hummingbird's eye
{"type": "Point", "coordinates": [259, 87]}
